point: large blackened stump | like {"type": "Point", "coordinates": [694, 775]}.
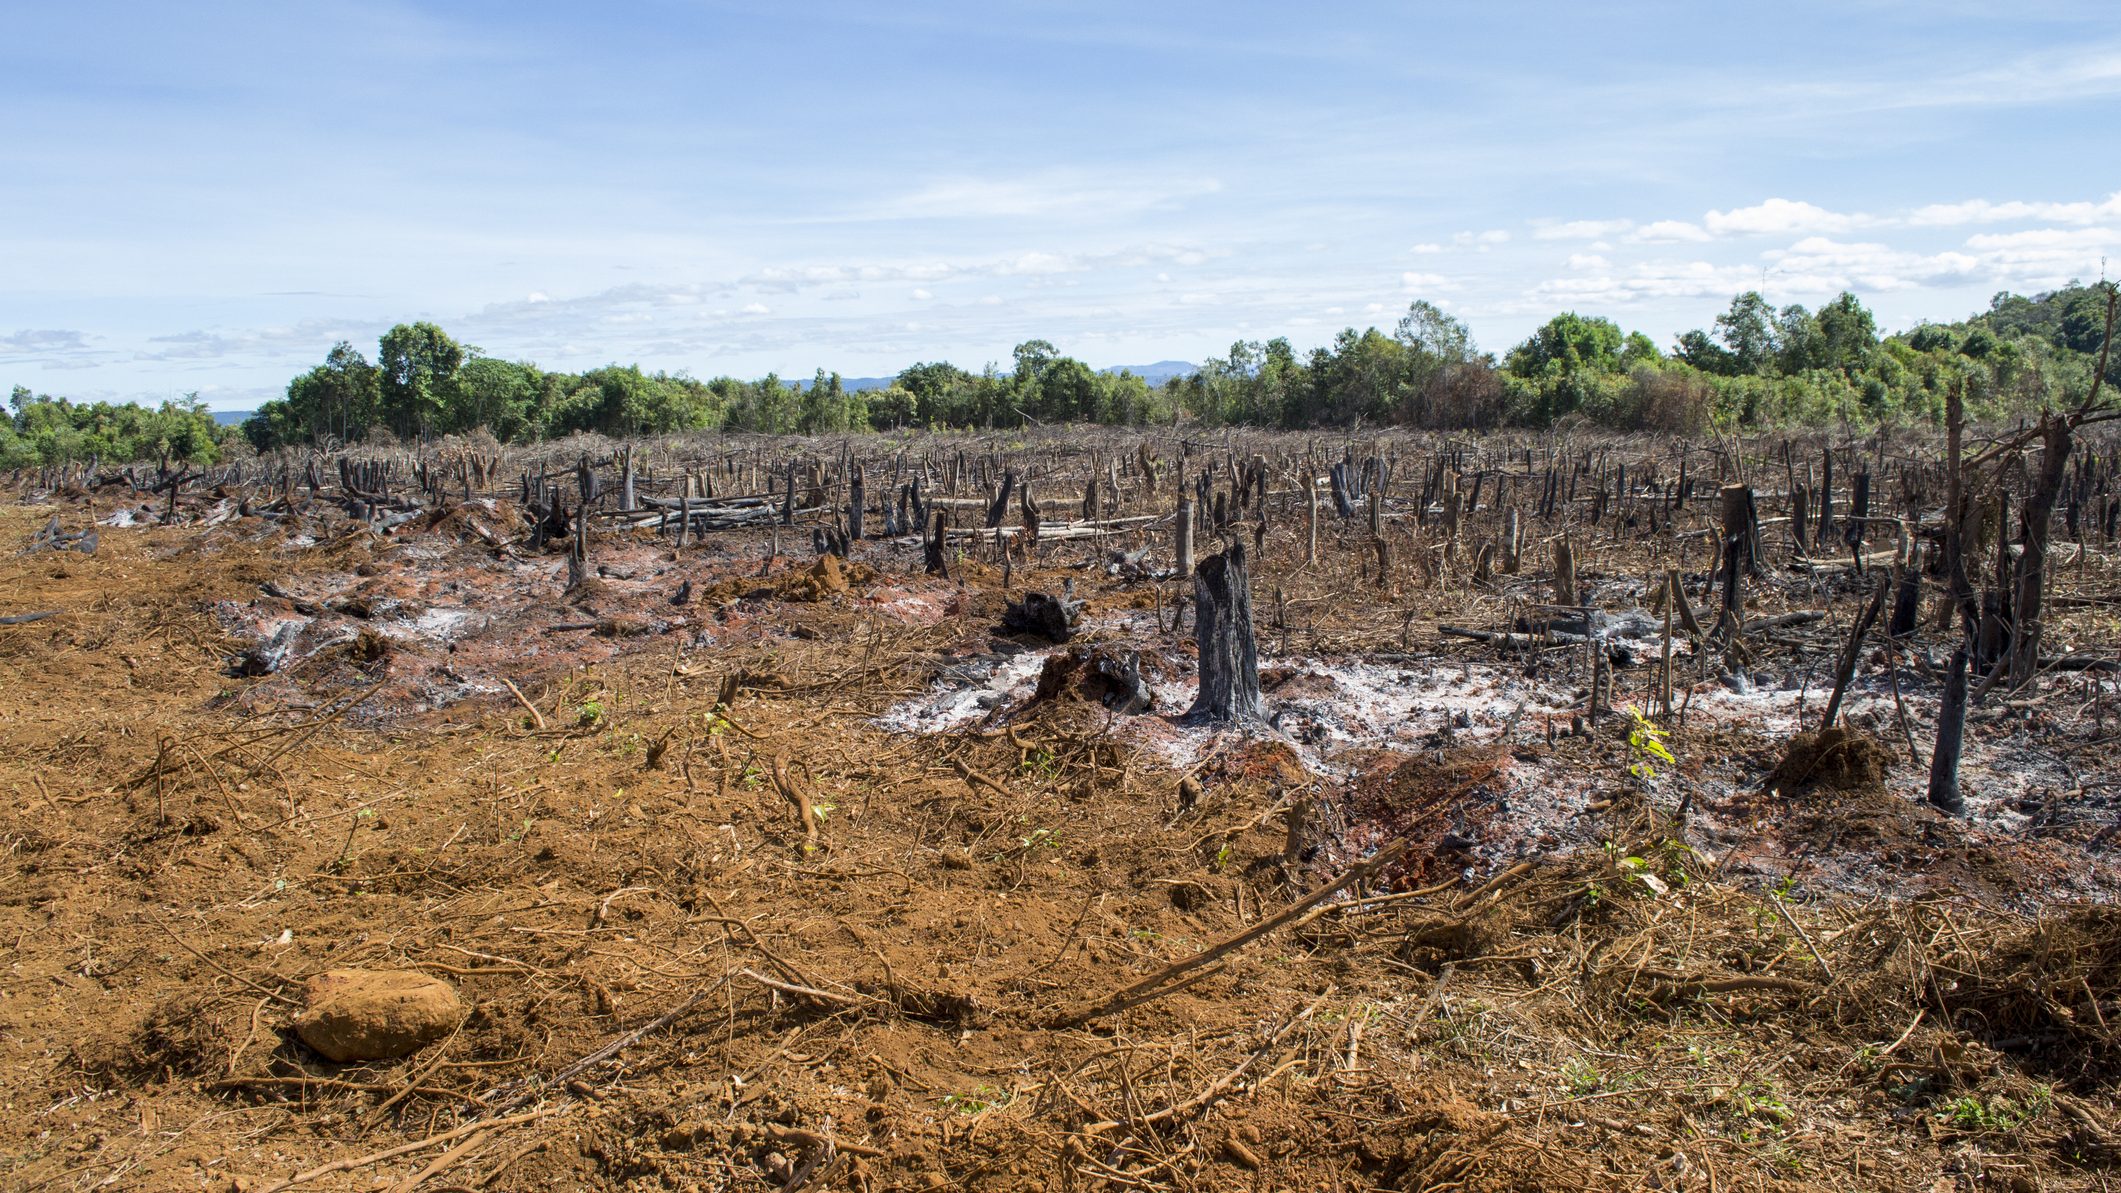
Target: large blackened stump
{"type": "Point", "coordinates": [1222, 627]}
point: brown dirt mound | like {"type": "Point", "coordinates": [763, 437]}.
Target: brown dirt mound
{"type": "Point", "coordinates": [1838, 759]}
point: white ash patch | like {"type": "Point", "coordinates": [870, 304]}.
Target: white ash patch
{"type": "Point", "coordinates": [437, 623]}
{"type": "Point", "coordinates": [968, 691]}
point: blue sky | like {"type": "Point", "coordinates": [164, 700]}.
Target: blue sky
{"type": "Point", "coordinates": [205, 197]}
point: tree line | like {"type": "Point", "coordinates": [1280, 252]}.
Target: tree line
{"type": "Point", "coordinates": [1756, 365]}
{"type": "Point", "coordinates": [42, 429]}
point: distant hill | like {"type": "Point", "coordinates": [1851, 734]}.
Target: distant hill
{"type": "Point", "coordinates": [1158, 373]}
{"type": "Point", "coordinates": [230, 418]}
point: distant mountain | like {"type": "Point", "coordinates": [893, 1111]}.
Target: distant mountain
{"type": "Point", "coordinates": [1158, 373]}
{"type": "Point", "coordinates": [230, 418]}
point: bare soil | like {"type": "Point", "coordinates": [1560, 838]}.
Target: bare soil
{"type": "Point", "coordinates": [1711, 977]}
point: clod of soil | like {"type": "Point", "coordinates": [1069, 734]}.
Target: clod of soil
{"type": "Point", "coordinates": [822, 580]}
{"type": "Point", "coordinates": [1838, 759]}
{"type": "Point", "coordinates": [366, 1014]}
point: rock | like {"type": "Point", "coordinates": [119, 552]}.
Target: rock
{"type": "Point", "coordinates": [368, 1014]}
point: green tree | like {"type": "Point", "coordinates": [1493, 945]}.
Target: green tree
{"type": "Point", "coordinates": [1747, 330]}
{"type": "Point", "coordinates": [1847, 332]}
{"type": "Point", "coordinates": [419, 365]}
{"type": "Point", "coordinates": [1566, 343]}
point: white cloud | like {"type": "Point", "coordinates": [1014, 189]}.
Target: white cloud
{"type": "Point", "coordinates": [40, 342]}
{"type": "Point", "coordinates": [1778, 217]}
{"type": "Point", "coordinates": [1423, 281]}
{"type": "Point", "coordinates": [921, 294]}
{"type": "Point", "coordinates": [1481, 240]}
{"type": "Point", "coordinates": [1426, 247]}
{"type": "Point", "coordinates": [1669, 232]}
{"type": "Point", "coordinates": [1041, 196]}
{"type": "Point", "coordinates": [1588, 261]}
{"type": "Point", "coordinates": [756, 308]}
{"type": "Point", "coordinates": [1981, 211]}
{"type": "Point", "coordinates": [1579, 229]}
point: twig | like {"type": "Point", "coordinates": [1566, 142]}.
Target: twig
{"type": "Point", "coordinates": [1153, 986]}
{"type": "Point", "coordinates": [1802, 935]}
{"type": "Point", "coordinates": [347, 1165]}
{"type": "Point", "coordinates": [517, 692]}
{"type": "Point", "coordinates": [272, 994]}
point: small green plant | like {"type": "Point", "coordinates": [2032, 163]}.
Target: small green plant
{"type": "Point", "coordinates": [1646, 746]}
{"type": "Point", "coordinates": [1042, 763]}
{"type": "Point", "coordinates": [1222, 857]}
{"type": "Point", "coordinates": [590, 712]}
{"type": "Point", "coordinates": [1580, 1076]}
{"type": "Point", "coordinates": [750, 777]}
{"type": "Point", "coordinates": [1758, 1105]}
{"type": "Point", "coordinates": [822, 809]}
{"type": "Point", "coordinates": [982, 1099]}
{"type": "Point", "coordinates": [1971, 1113]}
{"type": "Point", "coordinates": [1040, 837]}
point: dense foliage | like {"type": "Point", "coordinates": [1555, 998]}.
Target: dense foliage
{"type": "Point", "coordinates": [1756, 365]}
{"type": "Point", "coordinates": [48, 430]}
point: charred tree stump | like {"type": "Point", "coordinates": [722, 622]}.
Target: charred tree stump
{"type": "Point", "coordinates": [937, 557]}
{"type": "Point", "coordinates": [1565, 574]}
{"type": "Point", "coordinates": [1222, 628]}
{"type": "Point", "coordinates": [1826, 499]}
{"type": "Point", "coordinates": [1741, 527]}
{"type": "Point", "coordinates": [855, 498]}
{"type": "Point", "coordinates": [1182, 550]}
{"type": "Point", "coordinates": [1041, 613]}
{"type": "Point", "coordinates": [1951, 738]}
{"type": "Point", "coordinates": [1000, 508]}
{"type": "Point", "coordinates": [1310, 519]}
{"type": "Point", "coordinates": [1907, 603]}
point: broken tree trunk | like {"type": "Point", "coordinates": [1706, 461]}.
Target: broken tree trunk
{"type": "Point", "coordinates": [938, 564]}
{"type": "Point", "coordinates": [2035, 517]}
{"type": "Point", "coordinates": [1951, 738]}
{"type": "Point", "coordinates": [1565, 574]}
{"type": "Point", "coordinates": [1741, 526]}
{"type": "Point", "coordinates": [1222, 628]}
{"type": "Point", "coordinates": [1849, 655]}
{"type": "Point", "coordinates": [1182, 561]}
{"type": "Point", "coordinates": [1000, 508]}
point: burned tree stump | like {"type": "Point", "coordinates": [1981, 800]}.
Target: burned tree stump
{"type": "Point", "coordinates": [1741, 527]}
{"type": "Point", "coordinates": [1182, 550]}
{"type": "Point", "coordinates": [999, 509]}
{"type": "Point", "coordinates": [1951, 739]}
{"type": "Point", "coordinates": [1048, 616]}
{"type": "Point", "coordinates": [933, 549]}
{"type": "Point", "coordinates": [1222, 628]}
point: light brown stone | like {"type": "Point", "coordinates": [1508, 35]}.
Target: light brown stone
{"type": "Point", "coordinates": [370, 1014]}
